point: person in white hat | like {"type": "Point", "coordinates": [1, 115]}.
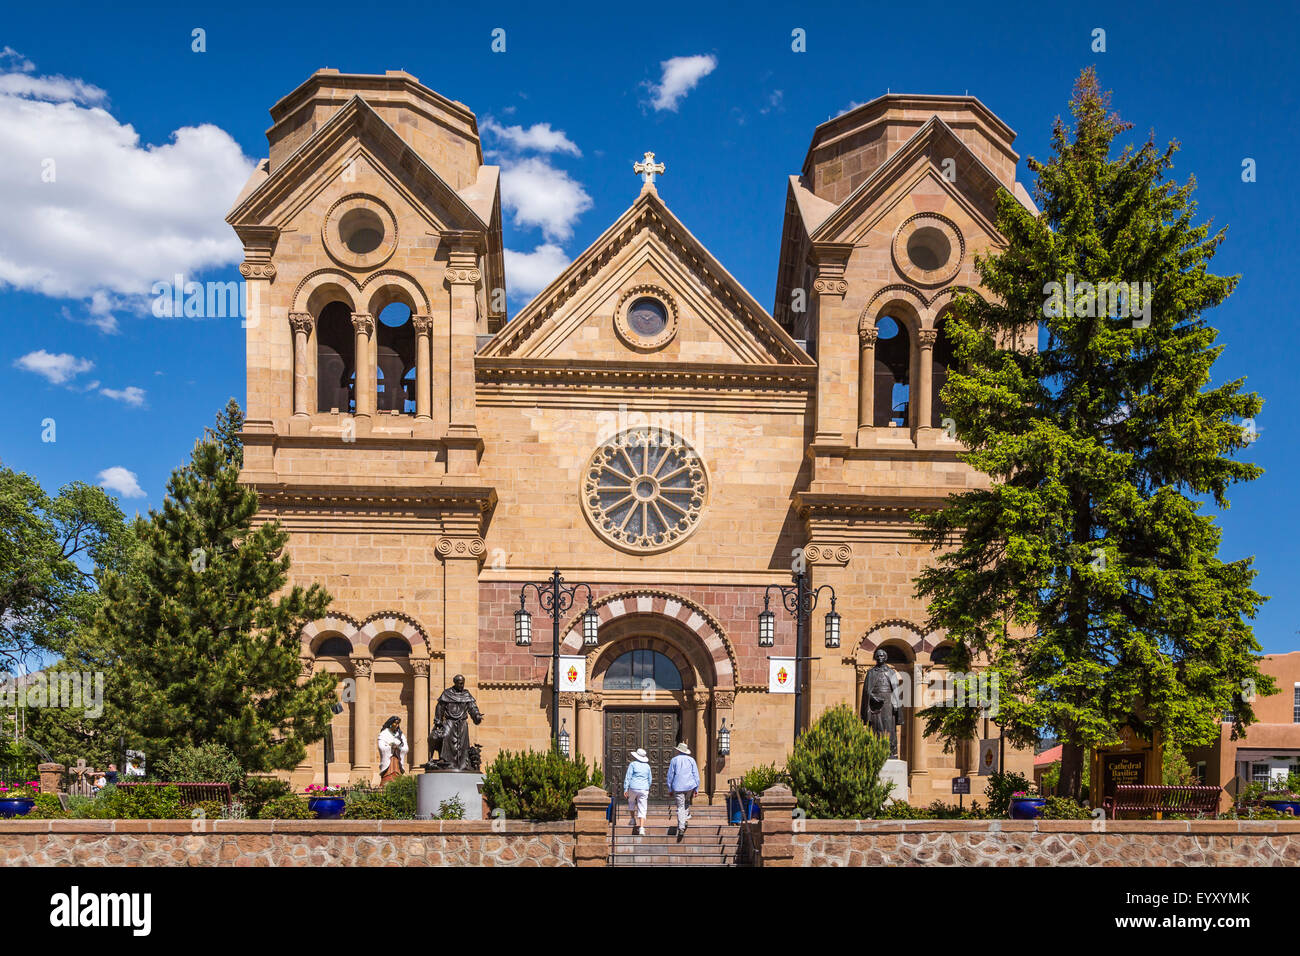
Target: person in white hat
{"type": "Point", "coordinates": [683, 782]}
{"type": "Point", "coordinates": [636, 785]}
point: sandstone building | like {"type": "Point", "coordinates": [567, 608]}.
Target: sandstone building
{"type": "Point", "coordinates": [644, 425]}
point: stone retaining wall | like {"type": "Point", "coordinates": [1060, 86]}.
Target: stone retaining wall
{"type": "Point", "coordinates": [285, 843]}
{"type": "Point", "coordinates": [783, 841]}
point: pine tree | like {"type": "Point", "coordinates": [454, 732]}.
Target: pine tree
{"type": "Point", "coordinates": [834, 769]}
{"type": "Point", "coordinates": [202, 636]}
{"type": "Point", "coordinates": [1086, 572]}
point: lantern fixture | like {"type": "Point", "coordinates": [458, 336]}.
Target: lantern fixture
{"type": "Point", "coordinates": [832, 627]}
{"type": "Point", "coordinates": [766, 628]}
{"type": "Point", "coordinates": [590, 627]}
{"type": "Point", "coordinates": [564, 737]}
{"type": "Point", "coordinates": [724, 739]}
{"type": "Point", "coordinates": [523, 626]}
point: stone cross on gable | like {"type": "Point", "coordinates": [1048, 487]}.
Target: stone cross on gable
{"type": "Point", "coordinates": [647, 169]}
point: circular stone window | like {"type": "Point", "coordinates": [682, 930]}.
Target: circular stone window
{"type": "Point", "coordinates": [360, 232]}
{"type": "Point", "coordinates": [928, 249]}
{"type": "Point", "coordinates": [644, 490]}
{"type": "Point", "coordinates": [646, 318]}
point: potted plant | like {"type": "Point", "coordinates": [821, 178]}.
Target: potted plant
{"type": "Point", "coordinates": [1283, 801]}
{"type": "Point", "coordinates": [1026, 805]}
{"type": "Point", "coordinates": [17, 799]}
{"type": "Point", "coordinates": [326, 802]}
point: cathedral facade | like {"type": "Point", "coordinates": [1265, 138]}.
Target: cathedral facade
{"type": "Point", "coordinates": [644, 426]}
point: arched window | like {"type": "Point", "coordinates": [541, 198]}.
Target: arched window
{"type": "Point", "coordinates": [895, 655]}
{"type": "Point", "coordinates": [334, 647]}
{"type": "Point", "coordinates": [942, 655]}
{"type": "Point", "coordinates": [336, 363]}
{"type": "Point", "coordinates": [941, 362]}
{"type": "Point", "coordinates": [893, 372]}
{"type": "Point", "coordinates": [631, 670]}
{"type": "Point", "coordinates": [395, 360]}
{"type": "Point", "coordinates": [393, 647]}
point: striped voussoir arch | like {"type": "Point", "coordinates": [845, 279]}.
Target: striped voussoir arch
{"type": "Point", "coordinates": [340, 624]}
{"type": "Point", "coordinates": [902, 632]}
{"type": "Point", "coordinates": [677, 608]}
{"type": "Point", "coordinates": [388, 623]}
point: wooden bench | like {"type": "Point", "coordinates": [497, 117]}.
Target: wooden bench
{"type": "Point", "coordinates": [1158, 799]}
{"type": "Point", "coordinates": [192, 794]}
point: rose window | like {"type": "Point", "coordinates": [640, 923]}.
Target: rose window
{"type": "Point", "coordinates": [644, 489]}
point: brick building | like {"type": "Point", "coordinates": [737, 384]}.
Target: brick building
{"type": "Point", "coordinates": [644, 425]}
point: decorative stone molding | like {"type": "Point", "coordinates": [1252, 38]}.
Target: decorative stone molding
{"type": "Point", "coordinates": [301, 322]}
{"type": "Point", "coordinates": [946, 245]}
{"type": "Point", "coordinates": [701, 698]}
{"type": "Point", "coordinates": [420, 665]}
{"type": "Point", "coordinates": [363, 322]}
{"type": "Point", "coordinates": [632, 337]}
{"type": "Point", "coordinates": [926, 338]}
{"type": "Point", "coordinates": [250, 269]}
{"type": "Point", "coordinates": [423, 324]}
{"type": "Point", "coordinates": [460, 547]}
{"type": "Point", "coordinates": [361, 666]}
{"type": "Point", "coordinates": [867, 335]}
{"type": "Point", "coordinates": [831, 286]}
{"type": "Point", "coordinates": [308, 666]}
{"type": "Point", "coordinates": [724, 699]}
{"type": "Point", "coordinates": [355, 214]}
{"type": "Point", "coordinates": [458, 276]}
{"type": "Point", "coordinates": [392, 623]}
{"type": "Point", "coordinates": [828, 553]}
{"type": "Point", "coordinates": [336, 623]}
{"type": "Point", "coordinates": [590, 701]}
{"type": "Point", "coordinates": [567, 698]}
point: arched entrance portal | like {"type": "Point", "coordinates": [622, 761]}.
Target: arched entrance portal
{"type": "Point", "coordinates": [662, 674]}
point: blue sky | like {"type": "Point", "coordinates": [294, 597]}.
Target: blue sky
{"type": "Point", "coordinates": [587, 89]}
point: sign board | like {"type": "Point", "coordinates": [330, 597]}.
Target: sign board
{"type": "Point", "coordinates": [989, 751]}
{"type": "Point", "coordinates": [573, 674]}
{"type": "Point", "coordinates": [961, 784]}
{"type": "Point", "coordinates": [780, 675]}
{"type": "Point", "coordinates": [1121, 770]}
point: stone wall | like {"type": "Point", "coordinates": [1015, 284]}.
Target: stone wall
{"type": "Point", "coordinates": [285, 843]}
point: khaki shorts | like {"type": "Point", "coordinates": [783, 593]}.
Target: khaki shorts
{"type": "Point", "coordinates": [636, 802]}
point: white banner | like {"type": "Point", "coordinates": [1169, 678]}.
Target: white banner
{"type": "Point", "coordinates": [780, 675]}
{"type": "Point", "coordinates": [573, 674]}
{"type": "Point", "coordinates": [989, 750]}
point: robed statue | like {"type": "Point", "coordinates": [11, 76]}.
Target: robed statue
{"type": "Point", "coordinates": [393, 748]}
{"type": "Point", "coordinates": [882, 701]}
{"type": "Point", "coordinates": [449, 736]}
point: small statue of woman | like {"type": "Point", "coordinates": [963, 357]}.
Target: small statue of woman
{"type": "Point", "coordinates": [393, 747]}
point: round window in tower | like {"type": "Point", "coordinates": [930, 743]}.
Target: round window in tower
{"type": "Point", "coordinates": [646, 318]}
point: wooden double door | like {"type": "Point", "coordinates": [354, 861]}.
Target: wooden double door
{"type": "Point", "coordinates": [656, 730]}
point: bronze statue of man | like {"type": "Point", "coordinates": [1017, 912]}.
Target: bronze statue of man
{"type": "Point", "coordinates": [882, 700]}
{"type": "Point", "coordinates": [449, 736]}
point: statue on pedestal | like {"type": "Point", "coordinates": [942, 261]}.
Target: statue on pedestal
{"type": "Point", "coordinates": [882, 701]}
{"type": "Point", "coordinates": [449, 736]}
{"type": "Point", "coordinates": [393, 748]}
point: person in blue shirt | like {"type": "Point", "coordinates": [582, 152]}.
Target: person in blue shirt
{"type": "Point", "coordinates": [683, 782]}
{"type": "Point", "coordinates": [636, 785]}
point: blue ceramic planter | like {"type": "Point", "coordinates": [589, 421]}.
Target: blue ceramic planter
{"type": "Point", "coordinates": [16, 806]}
{"type": "Point", "coordinates": [1284, 806]}
{"type": "Point", "coordinates": [1027, 808]}
{"type": "Point", "coordinates": [326, 808]}
{"type": "Point", "coordinates": [735, 812]}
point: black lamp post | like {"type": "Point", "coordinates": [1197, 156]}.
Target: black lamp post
{"type": "Point", "coordinates": [555, 598]}
{"type": "Point", "coordinates": [800, 600]}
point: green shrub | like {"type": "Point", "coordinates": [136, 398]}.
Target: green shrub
{"type": "Point", "coordinates": [374, 807]}
{"type": "Point", "coordinates": [1063, 808]}
{"type": "Point", "coordinates": [901, 810]}
{"type": "Point", "coordinates": [537, 785]}
{"type": "Point", "coordinates": [451, 809]}
{"type": "Point", "coordinates": [834, 770]}
{"type": "Point", "coordinates": [208, 810]}
{"type": "Point", "coordinates": [47, 807]}
{"type": "Point", "coordinates": [759, 778]}
{"type": "Point", "coordinates": [206, 763]}
{"type": "Point", "coordinates": [1000, 788]}
{"type": "Point", "coordinates": [291, 806]}
{"type": "Point", "coordinates": [400, 796]}
{"type": "Point", "coordinates": [256, 791]}
{"type": "Point", "coordinates": [133, 803]}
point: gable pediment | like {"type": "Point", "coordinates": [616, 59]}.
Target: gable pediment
{"type": "Point", "coordinates": [648, 258]}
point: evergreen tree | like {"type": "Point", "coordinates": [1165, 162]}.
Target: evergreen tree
{"type": "Point", "coordinates": [202, 638]}
{"type": "Point", "coordinates": [1086, 572]}
{"type": "Point", "coordinates": [834, 769]}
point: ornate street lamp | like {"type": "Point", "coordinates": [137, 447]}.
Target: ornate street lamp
{"type": "Point", "coordinates": [555, 598]}
{"type": "Point", "coordinates": [564, 738]}
{"type": "Point", "coordinates": [724, 739]}
{"type": "Point", "coordinates": [800, 600]}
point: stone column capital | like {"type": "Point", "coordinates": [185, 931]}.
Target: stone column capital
{"type": "Point", "coordinates": [451, 548]}
{"type": "Point", "coordinates": [471, 277]}
{"type": "Point", "coordinates": [301, 322]}
{"type": "Point", "coordinates": [362, 665]}
{"type": "Point", "coordinates": [363, 322]}
{"type": "Point", "coordinates": [926, 338]}
{"type": "Point", "coordinates": [423, 324]}
{"type": "Point", "coordinates": [420, 666]}
{"type": "Point", "coordinates": [867, 336]}
{"type": "Point", "coordinates": [724, 699]}
{"type": "Point", "coordinates": [590, 701]}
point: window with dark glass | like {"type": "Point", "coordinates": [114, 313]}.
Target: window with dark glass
{"type": "Point", "coordinates": [631, 670]}
{"type": "Point", "coordinates": [393, 647]}
{"type": "Point", "coordinates": [334, 647]}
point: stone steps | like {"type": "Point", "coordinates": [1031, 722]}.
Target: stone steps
{"type": "Point", "coordinates": [712, 843]}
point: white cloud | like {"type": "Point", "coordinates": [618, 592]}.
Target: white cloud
{"type": "Point", "coordinates": [542, 196]}
{"type": "Point", "coordinates": [56, 369]}
{"type": "Point", "coordinates": [129, 395]}
{"type": "Point", "coordinates": [93, 213]}
{"type": "Point", "coordinates": [538, 138]}
{"type": "Point", "coordinates": [528, 273]}
{"type": "Point", "coordinates": [848, 109]}
{"type": "Point", "coordinates": [120, 480]}
{"type": "Point", "coordinates": [681, 74]}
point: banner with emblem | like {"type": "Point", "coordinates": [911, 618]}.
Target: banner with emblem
{"type": "Point", "coordinates": [989, 752]}
{"type": "Point", "coordinates": [573, 674]}
{"type": "Point", "coordinates": [780, 675]}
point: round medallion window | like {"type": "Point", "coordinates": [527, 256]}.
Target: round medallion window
{"type": "Point", "coordinates": [928, 249]}
{"type": "Point", "coordinates": [646, 318]}
{"type": "Point", "coordinates": [360, 232]}
{"type": "Point", "coordinates": [644, 490]}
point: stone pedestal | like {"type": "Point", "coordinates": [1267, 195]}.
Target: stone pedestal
{"type": "Point", "coordinates": [436, 786]}
{"type": "Point", "coordinates": [895, 771]}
